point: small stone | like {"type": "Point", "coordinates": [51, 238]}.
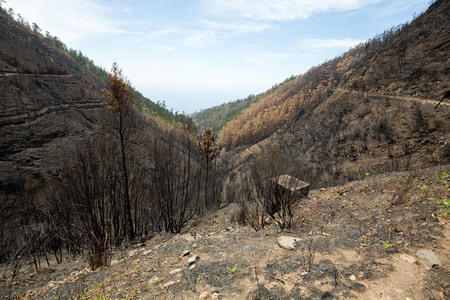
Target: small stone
{"type": "Point", "coordinates": [428, 258]}
{"type": "Point", "coordinates": [204, 295]}
{"type": "Point", "coordinates": [187, 237]}
{"type": "Point", "coordinates": [230, 228]}
{"type": "Point", "coordinates": [170, 283]}
{"type": "Point", "coordinates": [147, 252]}
{"type": "Point", "coordinates": [132, 253]}
{"type": "Point", "coordinates": [185, 253]}
{"type": "Point", "coordinates": [193, 259]}
{"type": "Point", "coordinates": [324, 233]}
{"type": "Point", "coordinates": [310, 233]}
{"type": "Point", "coordinates": [304, 273]}
{"type": "Point", "coordinates": [352, 277]}
{"type": "Point", "coordinates": [173, 272]}
{"type": "Point", "coordinates": [154, 280]}
{"type": "Point", "coordinates": [194, 245]}
{"type": "Point", "coordinates": [215, 296]}
{"type": "Point", "coordinates": [113, 262]}
{"type": "Point", "coordinates": [408, 258]}
{"type": "Point", "coordinates": [288, 242]}
{"type": "Point", "coordinates": [192, 267]}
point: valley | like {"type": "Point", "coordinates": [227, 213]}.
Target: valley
{"type": "Point", "coordinates": [106, 194]}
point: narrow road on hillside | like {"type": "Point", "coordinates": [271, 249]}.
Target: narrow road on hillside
{"type": "Point", "coordinates": [420, 100]}
{"type": "Point", "coordinates": [34, 75]}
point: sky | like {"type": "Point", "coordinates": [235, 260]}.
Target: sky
{"type": "Point", "coordinates": [195, 54]}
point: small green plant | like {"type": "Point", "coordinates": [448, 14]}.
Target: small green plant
{"type": "Point", "coordinates": [272, 233]}
{"type": "Point", "coordinates": [198, 280]}
{"type": "Point", "coordinates": [444, 176]}
{"type": "Point", "coordinates": [424, 188]}
{"type": "Point", "coordinates": [385, 244]}
{"type": "Point", "coordinates": [444, 205]}
{"type": "Point", "coordinates": [233, 269]}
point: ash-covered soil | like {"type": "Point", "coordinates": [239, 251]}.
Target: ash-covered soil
{"type": "Point", "coordinates": [357, 241]}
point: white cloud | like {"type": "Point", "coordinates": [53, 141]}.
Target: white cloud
{"type": "Point", "coordinates": [312, 44]}
{"type": "Point", "coordinates": [165, 31]}
{"type": "Point", "coordinates": [236, 28]}
{"type": "Point", "coordinates": [69, 20]}
{"type": "Point", "coordinates": [281, 10]}
{"type": "Point", "coordinates": [200, 38]}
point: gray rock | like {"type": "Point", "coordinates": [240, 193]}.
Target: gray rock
{"type": "Point", "coordinates": [428, 258]}
{"type": "Point", "coordinates": [288, 242]}
{"type": "Point", "coordinates": [215, 296]}
{"type": "Point", "coordinates": [204, 295]}
{"type": "Point", "coordinates": [185, 253]}
{"type": "Point", "coordinates": [193, 259]}
{"type": "Point", "coordinates": [352, 277]}
{"type": "Point", "coordinates": [153, 280]}
{"type": "Point", "coordinates": [170, 283]}
{"type": "Point", "coordinates": [173, 272]}
{"type": "Point", "coordinates": [187, 237]}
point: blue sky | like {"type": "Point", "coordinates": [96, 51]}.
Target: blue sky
{"type": "Point", "coordinates": [200, 53]}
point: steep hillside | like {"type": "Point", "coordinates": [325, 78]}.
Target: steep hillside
{"type": "Point", "coordinates": [409, 60]}
{"type": "Point", "coordinates": [51, 97]}
{"type": "Point", "coordinates": [359, 113]}
{"type": "Point", "coordinates": [47, 103]}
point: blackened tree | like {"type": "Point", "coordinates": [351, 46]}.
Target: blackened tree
{"type": "Point", "coordinates": [123, 121]}
{"type": "Point", "coordinates": [207, 152]}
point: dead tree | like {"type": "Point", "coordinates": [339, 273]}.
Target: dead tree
{"type": "Point", "coordinates": [446, 96]}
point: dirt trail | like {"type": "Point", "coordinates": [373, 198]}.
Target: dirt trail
{"type": "Point", "coordinates": [420, 100]}
{"type": "Point", "coordinates": [34, 75]}
{"type": "Point", "coordinates": [409, 278]}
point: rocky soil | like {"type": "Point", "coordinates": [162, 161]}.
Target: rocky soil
{"type": "Point", "coordinates": [385, 237]}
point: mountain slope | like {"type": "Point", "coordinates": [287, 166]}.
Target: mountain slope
{"type": "Point", "coordinates": [355, 114]}
{"type": "Point", "coordinates": [47, 103]}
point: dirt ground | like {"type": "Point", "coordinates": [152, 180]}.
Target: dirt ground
{"type": "Point", "coordinates": [357, 241]}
